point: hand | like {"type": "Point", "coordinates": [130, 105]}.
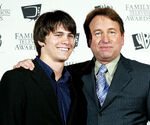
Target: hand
{"type": "Point", "coordinates": [27, 64]}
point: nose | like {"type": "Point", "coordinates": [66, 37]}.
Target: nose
{"type": "Point", "coordinates": [105, 38]}
{"type": "Point", "coordinates": [65, 40]}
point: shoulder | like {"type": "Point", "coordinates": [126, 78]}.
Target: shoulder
{"type": "Point", "coordinates": [79, 67]}
{"type": "Point", "coordinates": [19, 73]}
{"type": "Point", "coordinates": [12, 84]}
{"type": "Point", "coordinates": [138, 64]}
{"type": "Point", "coordinates": [16, 72]}
{"type": "Point", "coordinates": [15, 76]}
{"type": "Point", "coordinates": [135, 65]}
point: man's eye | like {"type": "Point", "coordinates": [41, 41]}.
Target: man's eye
{"type": "Point", "coordinates": [112, 32]}
{"type": "Point", "coordinates": [71, 36]}
{"type": "Point", "coordinates": [98, 34]}
{"type": "Point", "coordinates": [58, 35]}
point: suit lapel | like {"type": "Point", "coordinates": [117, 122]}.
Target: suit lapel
{"type": "Point", "coordinates": [120, 80]}
{"type": "Point", "coordinates": [89, 87]}
{"type": "Point", "coordinates": [89, 84]}
{"type": "Point", "coordinates": [73, 106]}
{"type": "Point", "coordinates": [42, 80]}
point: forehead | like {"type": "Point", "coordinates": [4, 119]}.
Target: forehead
{"type": "Point", "coordinates": [60, 27]}
{"type": "Point", "coordinates": [103, 22]}
{"type": "Point", "coordinates": [61, 30]}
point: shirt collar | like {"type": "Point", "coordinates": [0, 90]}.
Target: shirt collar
{"type": "Point", "coordinates": [110, 66]}
{"type": "Point", "coordinates": [65, 74]}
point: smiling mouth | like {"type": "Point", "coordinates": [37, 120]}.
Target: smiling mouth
{"type": "Point", "coordinates": [63, 49]}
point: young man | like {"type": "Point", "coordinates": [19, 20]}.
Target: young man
{"type": "Point", "coordinates": [126, 82]}
{"type": "Point", "coordinates": [44, 96]}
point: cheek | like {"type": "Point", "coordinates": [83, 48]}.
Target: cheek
{"type": "Point", "coordinates": [93, 46]}
{"type": "Point", "coordinates": [121, 42]}
{"type": "Point", "coordinates": [73, 43]}
{"type": "Point", "coordinates": [94, 42]}
{"type": "Point", "coordinates": [118, 41]}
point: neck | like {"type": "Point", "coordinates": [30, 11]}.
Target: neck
{"type": "Point", "coordinates": [57, 67]}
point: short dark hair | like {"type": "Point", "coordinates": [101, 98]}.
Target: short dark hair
{"type": "Point", "coordinates": [48, 22]}
{"type": "Point", "coordinates": [106, 11]}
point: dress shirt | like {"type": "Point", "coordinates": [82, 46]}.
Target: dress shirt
{"type": "Point", "coordinates": [112, 66]}
{"type": "Point", "coordinates": [60, 87]}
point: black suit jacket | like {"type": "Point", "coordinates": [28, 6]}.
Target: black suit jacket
{"type": "Point", "coordinates": [128, 98]}
{"type": "Point", "coordinates": [27, 98]}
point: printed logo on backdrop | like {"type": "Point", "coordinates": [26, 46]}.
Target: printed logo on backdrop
{"type": "Point", "coordinates": [138, 12]}
{"type": "Point", "coordinates": [76, 44]}
{"type": "Point", "coordinates": [77, 39]}
{"type": "Point", "coordinates": [70, 63]}
{"type": "Point", "coordinates": [3, 12]}
{"type": "Point", "coordinates": [31, 12]}
{"type": "Point", "coordinates": [141, 40]}
{"type": "Point", "coordinates": [104, 5]}
{"type": "Point", "coordinates": [0, 40]}
{"type": "Point", "coordinates": [24, 41]}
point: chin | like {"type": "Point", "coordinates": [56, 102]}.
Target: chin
{"type": "Point", "coordinates": [62, 59]}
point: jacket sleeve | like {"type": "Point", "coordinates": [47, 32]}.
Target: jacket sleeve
{"type": "Point", "coordinates": [148, 103]}
{"type": "Point", "coordinates": [12, 99]}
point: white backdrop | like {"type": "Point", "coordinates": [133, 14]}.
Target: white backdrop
{"type": "Point", "coordinates": [16, 26]}
{"type": "Point", "coordinates": [16, 30]}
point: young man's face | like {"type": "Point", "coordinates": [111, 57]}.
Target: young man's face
{"type": "Point", "coordinates": [107, 39]}
{"type": "Point", "coordinates": [58, 45]}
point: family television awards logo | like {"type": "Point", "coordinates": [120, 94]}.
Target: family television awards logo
{"type": "Point", "coordinates": [31, 12]}
{"type": "Point", "coordinates": [138, 12]}
{"type": "Point", "coordinates": [4, 12]}
{"type": "Point", "coordinates": [141, 40]}
{"type": "Point", "coordinates": [24, 41]}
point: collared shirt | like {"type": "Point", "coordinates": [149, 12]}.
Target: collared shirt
{"type": "Point", "coordinates": [112, 66]}
{"type": "Point", "coordinates": [60, 87]}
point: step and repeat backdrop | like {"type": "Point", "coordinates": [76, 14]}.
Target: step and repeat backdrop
{"type": "Point", "coordinates": [17, 19]}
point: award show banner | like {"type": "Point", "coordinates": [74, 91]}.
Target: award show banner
{"type": "Point", "coordinates": [17, 19]}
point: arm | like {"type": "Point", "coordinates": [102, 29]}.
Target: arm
{"type": "Point", "coordinates": [12, 99]}
{"type": "Point", "coordinates": [27, 64]}
{"type": "Point", "coordinates": [148, 104]}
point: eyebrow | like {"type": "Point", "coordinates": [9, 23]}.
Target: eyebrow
{"type": "Point", "coordinates": [97, 30]}
{"type": "Point", "coordinates": [112, 29]}
{"type": "Point", "coordinates": [61, 32]}
{"type": "Point", "coordinates": [101, 30]}
{"type": "Point", "coordinates": [57, 32]}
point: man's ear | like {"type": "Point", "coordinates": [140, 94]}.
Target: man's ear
{"type": "Point", "coordinates": [41, 44]}
{"type": "Point", "coordinates": [122, 39]}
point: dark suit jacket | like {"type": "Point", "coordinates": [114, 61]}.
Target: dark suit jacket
{"type": "Point", "coordinates": [28, 98]}
{"type": "Point", "coordinates": [128, 98]}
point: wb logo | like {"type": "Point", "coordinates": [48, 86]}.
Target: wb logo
{"type": "Point", "coordinates": [31, 12]}
{"type": "Point", "coordinates": [0, 41]}
{"type": "Point", "coordinates": [141, 41]}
